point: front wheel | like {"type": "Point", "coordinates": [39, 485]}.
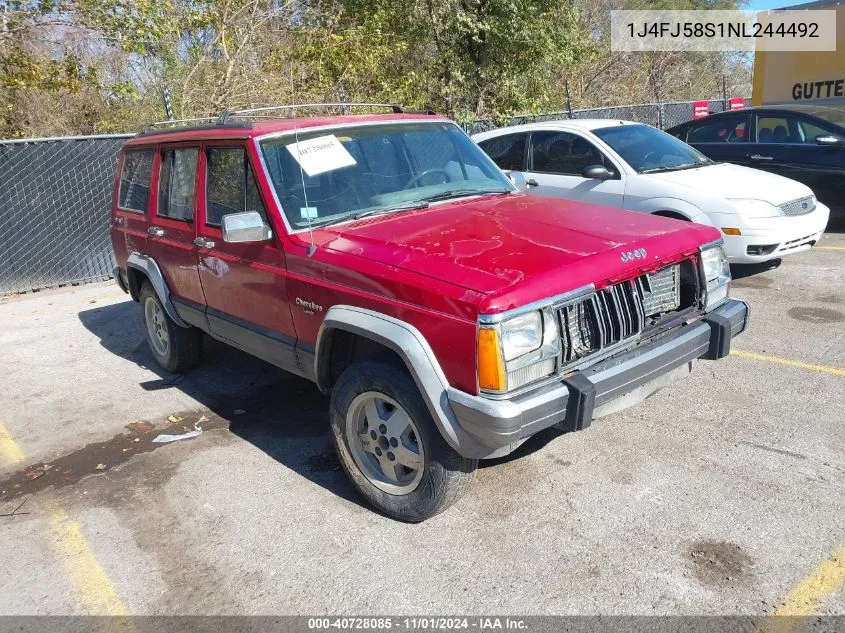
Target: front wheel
{"type": "Point", "coordinates": [389, 445]}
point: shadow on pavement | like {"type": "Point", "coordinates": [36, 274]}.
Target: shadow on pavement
{"type": "Point", "coordinates": [740, 271]}
{"type": "Point", "coordinates": [283, 415]}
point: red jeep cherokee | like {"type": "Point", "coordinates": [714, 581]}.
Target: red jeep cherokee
{"type": "Point", "coordinates": [387, 258]}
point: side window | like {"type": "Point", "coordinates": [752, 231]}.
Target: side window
{"type": "Point", "coordinates": [134, 193]}
{"type": "Point", "coordinates": [730, 129]}
{"type": "Point", "coordinates": [809, 131]}
{"type": "Point", "coordinates": [230, 185]}
{"type": "Point", "coordinates": [564, 153]}
{"type": "Point", "coordinates": [776, 129]}
{"type": "Point", "coordinates": [506, 151]}
{"type": "Point", "coordinates": [176, 184]}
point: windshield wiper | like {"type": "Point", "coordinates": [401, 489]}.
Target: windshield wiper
{"type": "Point", "coordinates": [457, 193]}
{"type": "Point", "coordinates": [405, 206]}
{"type": "Point", "coordinates": [657, 170]}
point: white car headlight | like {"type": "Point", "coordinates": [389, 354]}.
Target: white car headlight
{"type": "Point", "coordinates": [754, 208]}
{"type": "Point", "coordinates": [522, 334]}
{"type": "Point", "coordinates": [716, 273]}
{"type": "Point", "coordinates": [518, 351]}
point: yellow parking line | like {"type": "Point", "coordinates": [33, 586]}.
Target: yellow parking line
{"type": "Point", "coordinates": [9, 451]}
{"type": "Point", "coordinates": [807, 596]}
{"type": "Point", "coordinates": [788, 361]}
{"type": "Point", "coordinates": [831, 248]}
{"type": "Point", "coordinates": [90, 582]}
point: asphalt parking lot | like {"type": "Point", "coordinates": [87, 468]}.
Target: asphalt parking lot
{"type": "Point", "coordinates": [722, 494]}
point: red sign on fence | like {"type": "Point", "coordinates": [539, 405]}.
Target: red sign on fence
{"type": "Point", "coordinates": [736, 103]}
{"type": "Point", "coordinates": [700, 109]}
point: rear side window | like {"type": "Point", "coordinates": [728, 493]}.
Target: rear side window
{"type": "Point", "coordinates": [721, 130]}
{"type": "Point", "coordinates": [176, 184]}
{"type": "Point", "coordinates": [230, 185]}
{"type": "Point", "coordinates": [506, 151]}
{"type": "Point", "coordinates": [564, 153]}
{"type": "Point", "coordinates": [134, 194]}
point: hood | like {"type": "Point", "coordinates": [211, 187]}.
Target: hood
{"type": "Point", "coordinates": [516, 249]}
{"type": "Point", "coordinates": [734, 181]}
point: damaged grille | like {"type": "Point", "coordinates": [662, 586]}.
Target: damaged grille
{"type": "Point", "coordinates": [618, 312]}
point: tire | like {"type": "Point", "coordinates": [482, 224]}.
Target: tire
{"type": "Point", "coordinates": [414, 494]}
{"type": "Point", "coordinates": [175, 348]}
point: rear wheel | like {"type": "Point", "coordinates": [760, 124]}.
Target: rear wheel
{"type": "Point", "coordinates": [175, 348]}
{"type": "Point", "coordinates": [389, 445]}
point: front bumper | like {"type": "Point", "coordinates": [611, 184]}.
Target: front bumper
{"type": "Point", "coordinates": [607, 386]}
{"type": "Point", "coordinates": [782, 236]}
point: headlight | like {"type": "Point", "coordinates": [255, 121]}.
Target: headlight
{"type": "Point", "coordinates": [716, 273]}
{"type": "Point", "coordinates": [518, 351]}
{"type": "Point", "coordinates": [522, 334]}
{"type": "Point", "coordinates": [754, 208]}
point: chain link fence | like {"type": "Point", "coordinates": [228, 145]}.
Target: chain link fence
{"type": "Point", "coordinates": [659, 115]}
{"type": "Point", "coordinates": [55, 202]}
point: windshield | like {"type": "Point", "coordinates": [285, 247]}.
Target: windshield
{"type": "Point", "coordinates": [362, 170]}
{"type": "Point", "coordinates": [649, 150]}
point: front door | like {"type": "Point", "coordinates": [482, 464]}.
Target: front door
{"type": "Point", "coordinates": [723, 138]}
{"type": "Point", "coordinates": [244, 283]}
{"type": "Point", "coordinates": [171, 227]}
{"type": "Point", "coordinates": [556, 161]}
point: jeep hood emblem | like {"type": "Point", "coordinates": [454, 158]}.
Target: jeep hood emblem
{"type": "Point", "coordinates": [628, 256]}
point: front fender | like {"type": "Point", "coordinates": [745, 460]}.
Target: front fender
{"type": "Point", "coordinates": [681, 207]}
{"type": "Point", "coordinates": [415, 352]}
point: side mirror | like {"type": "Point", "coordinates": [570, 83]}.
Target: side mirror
{"type": "Point", "coordinates": [245, 227]}
{"type": "Point", "coordinates": [518, 179]}
{"type": "Point", "coordinates": [829, 139]}
{"type": "Point", "coordinates": [598, 172]}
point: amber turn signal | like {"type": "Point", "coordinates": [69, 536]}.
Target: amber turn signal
{"type": "Point", "coordinates": [730, 231]}
{"type": "Point", "coordinates": [491, 367]}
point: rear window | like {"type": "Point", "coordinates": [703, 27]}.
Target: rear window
{"type": "Point", "coordinates": [134, 194]}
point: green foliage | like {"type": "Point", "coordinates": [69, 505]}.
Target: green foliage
{"type": "Point", "coordinates": [76, 66]}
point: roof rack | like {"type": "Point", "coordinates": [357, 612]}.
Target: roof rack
{"type": "Point", "coordinates": [241, 118]}
{"type": "Point", "coordinates": [344, 109]}
{"type": "Point", "coordinates": [178, 125]}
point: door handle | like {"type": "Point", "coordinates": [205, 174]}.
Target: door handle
{"type": "Point", "coordinates": [204, 243]}
{"type": "Point", "coordinates": [532, 183]}
{"type": "Point", "coordinates": [758, 157]}
{"type": "Point", "coordinates": [118, 221]}
{"type": "Point", "coordinates": [155, 231]}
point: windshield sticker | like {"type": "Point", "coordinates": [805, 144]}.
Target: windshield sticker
{"type": "Point", "coordinates": [319, 155]}
{"type": "Point", "coordinates": [308, 212]}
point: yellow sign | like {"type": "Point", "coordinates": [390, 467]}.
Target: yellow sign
{"type": "Point", "coordinates": [802, 76]}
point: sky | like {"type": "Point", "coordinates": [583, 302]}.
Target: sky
{"type": "Point", "coordinates": [762, 5]}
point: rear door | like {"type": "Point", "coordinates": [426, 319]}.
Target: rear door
{"type": "Point", "coordinates": [722, 138]}
{"type": "Point", "coordinates": [508, 151]}
{"type": "Point", "coordinates": [171, 228]}
{"type": "Point", "coordinates": [556, 162]}
{"type": "Point", "coordinates": [244, 283]}
{"type": "Point", "coordinates": [133, 202]}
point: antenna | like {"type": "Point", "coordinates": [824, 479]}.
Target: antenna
{"type": "Point", "coordinates": [313, 248]}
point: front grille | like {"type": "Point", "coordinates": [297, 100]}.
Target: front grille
{"type": "Point", "coordinates": [618, 312]}
{"type": "Point", "coordinates": [799, 207]}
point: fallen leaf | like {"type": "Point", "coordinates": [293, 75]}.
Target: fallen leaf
{"type": "Point", "coordinates": [174, 419]}
{"type": "Point", "coordinates": [33, 474]}
{"type": "Point", "coordinates": [202, 419]}
{"type": "Point", "coordinates": [139, 427]}
{"type": "Point", "coordinates": [101, 466]}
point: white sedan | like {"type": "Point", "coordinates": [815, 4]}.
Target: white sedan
{"type": "Point", "coordinates": [636, 167]}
